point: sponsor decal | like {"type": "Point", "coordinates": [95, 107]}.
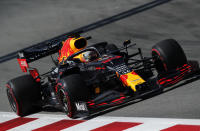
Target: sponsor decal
{"type": "Point", "coordinates": [81, 106]}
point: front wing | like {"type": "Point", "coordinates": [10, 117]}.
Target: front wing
{"type": "Point", "coordinates": [117, 99]}
{"type": "Point", "coordinates": [84, 109]}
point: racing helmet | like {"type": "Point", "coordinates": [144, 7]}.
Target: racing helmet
{"type": "Point", "coordinates": [89, 56]}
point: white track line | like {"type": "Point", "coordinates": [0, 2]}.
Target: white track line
{"type": "Point", "coordinates": [150, 120]}
{"type": "Point", "coordinates": [89, 125]}
{"type": "Point", "coordinates": [150, 127]}
{"type": "Point", "coordinates": [148, 124]}
{"type": "Point", "coordinates": [35, 124]}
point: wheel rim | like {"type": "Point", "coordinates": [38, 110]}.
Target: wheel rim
{"type": "Point", "coordinates": [11, 100]}
{"type": "Point", "coordinates": [64, 101]}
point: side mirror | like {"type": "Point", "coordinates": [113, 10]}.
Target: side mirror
{"type": "Point", "coordinates": [126, 43]}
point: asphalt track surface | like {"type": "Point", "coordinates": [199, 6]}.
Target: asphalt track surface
{"type": "Point", "coordinates": [24, 23]}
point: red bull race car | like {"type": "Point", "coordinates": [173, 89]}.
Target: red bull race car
{"type": "Point", "coordinates": [88, 79]}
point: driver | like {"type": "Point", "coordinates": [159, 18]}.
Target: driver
{"type": "Point", "coordinates": [89, 56]}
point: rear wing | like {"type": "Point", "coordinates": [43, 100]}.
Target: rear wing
{"type": "Point", "coordinates": [25, 67]}
{"type": "Point", "coordinates": [37, 52]}
{"type": "Point", "coordinates": [33, 54]}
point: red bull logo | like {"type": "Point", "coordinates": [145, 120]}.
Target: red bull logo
{"type": "Point", "coordinates": [131, 79]}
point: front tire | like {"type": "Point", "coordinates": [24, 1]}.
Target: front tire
{"type": "Point", "coordinates": [23, 95]}
{"type": "Point", "coordinates": [73, 89]}
{"type": "Point", "coordinates": [168, 55]}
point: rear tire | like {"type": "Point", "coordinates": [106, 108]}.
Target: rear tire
{"type": "Point", "coordinates": [73, 90]}
{"type": "Point", "coordinates": [23, 94]}
{"type": "Point", "coordinates": [168, 55]}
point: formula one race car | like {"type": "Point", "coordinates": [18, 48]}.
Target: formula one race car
{"type": "Point", "coordinates": [96, 77]}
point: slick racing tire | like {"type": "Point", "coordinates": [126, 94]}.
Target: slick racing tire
{"type": "Point", "coordinates": [23, 94]}
{"type": "Point", "coordinates": [168, 55]}
{"type": "Point", "coordinates": [73, 89]}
